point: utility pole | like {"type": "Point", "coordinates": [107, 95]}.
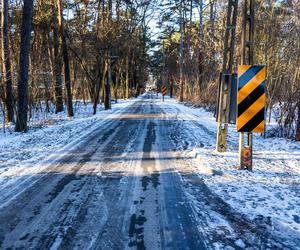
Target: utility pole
{"type": "Point", "coordinates": [225, 82]}
{"type": "Point", "coordinates": [245, 151]}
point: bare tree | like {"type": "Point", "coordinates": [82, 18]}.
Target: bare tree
{"type": "Point", "coordinates": [6, 63]}
{"type": "Point", "coordinates": [65, 58]}
{"type": "Point", "coordinates": [21, 125]}
{"type": "Point", "coordinates": [57, 67]}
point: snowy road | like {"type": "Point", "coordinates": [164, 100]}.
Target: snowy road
{"type": "Point", "coordinates": [130, 183]}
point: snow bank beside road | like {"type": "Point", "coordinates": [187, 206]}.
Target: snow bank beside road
{"type": "Point", "coordinates": [46, 137]}
{"type": "Point", "coordinates": [270, 194]}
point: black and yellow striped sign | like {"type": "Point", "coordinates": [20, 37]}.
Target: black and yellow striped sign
{"type": "Point", "coordinates": [251, 98]}
{"type": "Point", "coordinates": [164, 90]}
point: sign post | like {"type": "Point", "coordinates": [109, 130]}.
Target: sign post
{"type": "Point", "coordinates": [251, 91]}
{"type": "Point", "coordinates": [251, 108]}
{"type": "Point", "coordinates": [224, 90]}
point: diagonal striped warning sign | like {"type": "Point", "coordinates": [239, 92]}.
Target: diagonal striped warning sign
{"type": "Point", "coordinates": [164, 90]}
{"type": "Point", "coordinates": [251, 98]}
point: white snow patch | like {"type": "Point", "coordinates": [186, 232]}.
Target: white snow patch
{"type": "Point", "coordinates": [271, 192]}
{"type": "Point", "coordinates": [48, 139]}
{"type": "Point", "coordinates": [240, 243]}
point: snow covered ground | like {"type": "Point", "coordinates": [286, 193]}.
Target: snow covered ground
{"type": "Point", "coordinates": [270, 193]}
{"type": "Point", "coordinates": [48, 135]}
{"type": "Point", "coordinates": [269, 196]}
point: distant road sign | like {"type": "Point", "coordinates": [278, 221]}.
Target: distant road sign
{"type": "Point", "coordinates": [164, 90]}
{"type": "Point", "coordinates": [251, 98]}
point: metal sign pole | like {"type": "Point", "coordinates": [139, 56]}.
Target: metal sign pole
{"type": "Point", "coordinates": [251, 108]}
{"type": "Point", "coordinates": [225, 86]}
{"type": "Point", "coordinates": [246, 152]}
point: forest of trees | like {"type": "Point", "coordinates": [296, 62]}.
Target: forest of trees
{"type": "Point", "coordinates": [102, 50]}
{"type": "Point", "coordinates": [77, 50]}
{"type": "Point", "coordinates": [199, 26]}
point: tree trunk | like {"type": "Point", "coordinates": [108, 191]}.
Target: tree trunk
{"type": "Point", "coordinates": [57, 67]}
{"type": "Point", "coordinates": [181, 55]}
{"type": "Point", "coordinates": [97, 90]}
{"type": "Point", "coordinates": [6, 64]}
{"type": "Point", "coordinates": [107, 100]}
{"type": "Point", "coordinates": [21, 125]}
{"type": "Point", "coordinates": [201, 38]}
{"type": "Point", "coordinates": [298, 123]}
{"type": "Point", "coordinates": [66, 59]}
{"type": "Point", "coordinates": [127, 78]}
{"type": "Point", "coordinates": [118, 74]}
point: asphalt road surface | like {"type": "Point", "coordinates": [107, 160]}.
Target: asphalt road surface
{"type": "Point", "coordinates": [127, 185]}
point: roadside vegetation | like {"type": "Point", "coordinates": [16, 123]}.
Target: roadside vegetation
{"type": "Point", "coordinates": [98, 51]}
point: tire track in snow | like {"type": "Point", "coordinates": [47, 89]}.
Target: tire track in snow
{"type": "Point", "coordinates": [55, 191]}
{"type": "Point", "coordinates": [256, 234]}
{"type": "Point", "coordinates": [23, 178]}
